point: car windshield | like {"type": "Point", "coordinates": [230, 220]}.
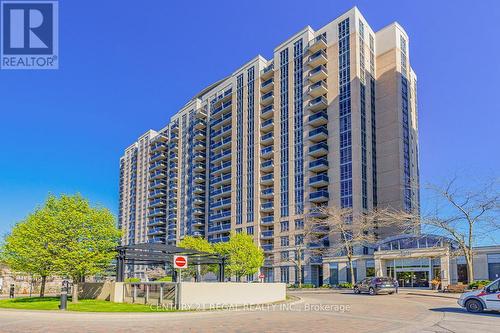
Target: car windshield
{"type": "Point", "coordinates": [382, 280]}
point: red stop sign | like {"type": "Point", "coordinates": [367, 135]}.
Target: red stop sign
{"type": "Point", "coordinates": [180, 261]}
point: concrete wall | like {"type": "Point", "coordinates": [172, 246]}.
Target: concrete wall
{"type": "Point", "coordinates": [95, 290]}
{"type": "Point", "coordinates": [224, 294]}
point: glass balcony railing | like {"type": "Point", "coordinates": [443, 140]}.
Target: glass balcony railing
{"type": "Point", "coordinates": [267, 150]}
{"type": "Point", "coordinates": [268, 177]}
{"type": "Point", "coordinates": [267, 219]}
{"type": "Point", "coordinates": [268, 233]}
{"type": "Point", "coordinates": [318, 164]}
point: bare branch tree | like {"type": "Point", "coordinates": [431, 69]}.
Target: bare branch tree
{"type": "Point", "coordinates": [465, 214]}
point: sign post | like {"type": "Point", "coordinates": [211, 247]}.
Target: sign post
{"type": "Point", "coordinates": [180, 262]}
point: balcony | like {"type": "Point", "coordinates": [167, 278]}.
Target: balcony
{"type": "Point", "coordinates": [157, 193]}
{"type": "Point", "coordinates": [267, 125]}
{"type": "Point", "coordinates": [198, 211]}
{"type": "Point", "coordinates": [199, 156]}
{"type": "Point", "coordinates": [318, 43]}
{"type": "Point", "coordinates": [174, 137]}
{"type": "Point", "coordinates": [267, 152]}
{"type": "Point", "coordinates": [220, 191]}
{"type": "Point", "coordinates": [318, 119]}
{"type": "Point", "coordinates": [224, 120]}
{"type": "Point", "coordinates": [319, 181]}
{"type": "Point", "coordinates": [158, 175]}
{"type": "Point", "coordinates": [319, 149]}
{"type": "Point", "coordinates": [268, 234]}
{"type": "Point", "coordinates": [157, 212]}
{"type": "Point", "coordinates": [219, 228]}
{"type": "Point", "coordinates": [224, 107]}
{"type": "Point", "coordinates": [267, 72]}
{"type": "Point", "coordinates": [199, 179]}
{"type": "Point", "coordinates": [222, 239]}
{"type": "Point", "coordinates": [157, 203]}
{"type": "Point", "coordinates": [199, 134]}
{"type": "Point", "coordinates": [317, 104]}
{"type": "Point", "coordinates": [267, 220]}
{"type": "Point", "coordinates": [224, 143]}
{"type": "Point", "coordinates": [318, 134]}
{"type": "Point", "coordinates": [319, 196]}
{"type": "Point", "coordinates": [199, 200]}
{"type": "Point", "coordinates": [221, 203]}
{"type": "Point", "coordinates": [156, 231]}
{"type": "Point", "coordinates": [267, 98]}
{"type": "Point", "coordinates": [198, 189]}
{"type": "Point", "coordinates": [198, 223]}
{"type": "Point", "coordinates": [157, 156]}
{"type": "Point", "coordinates": [317, 89]}
{"type": "Point", "coordinates": [157, 221]}
{"type": "Point", "coordinates": [222, 179]}
{"type": "Point", "coordinates": [267, 85]}
{"type": "Point", "coordinates": [199, 146]}
{"type": "Point", "coordinates": [199, 167]}
{"type": "Point", "coordinates": [158, 146]}
{"type": "Point", "coordinates": [267, 112]}
{"type": "Point", "coordinates": [318, 165]}
{"type": "Point", "coordinates": [157, 184]}
{"type": "Point", "coordinates": [267, 247]}
{"type": "Point", "coordinates": [267, 179]}
{"type": "Point", "coordinates": [221, 131]}
{"type": "Point", "coordinates": [199, 124]}
{"type": "Point", "coordinates": [175, 127]}
{"type": "Point", "coordinates": [157, 165]}
{"type": "Point", "coordinates": [220, 168]}
{"type": "Point", "coordinates": [267, 139]}
{"type": "Point", "coordinates": [224, 155]}
{"type": "Point", "coordinates": [316, 59]}
{"type": "Point", "coordinates": [267, 165]}
{"type": "Point", "coordinates": [317, 74]}
{"type": "Point", "coordinates": [267, 193]}
{"type": "Point", "coordinates": [224, 215]}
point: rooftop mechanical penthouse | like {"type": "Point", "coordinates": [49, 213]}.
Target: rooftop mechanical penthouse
{"type": "Point", "coordinates": [331, 119]}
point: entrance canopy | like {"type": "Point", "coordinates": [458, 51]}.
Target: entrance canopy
{"type": "Point", "coordinates": [161, 254]}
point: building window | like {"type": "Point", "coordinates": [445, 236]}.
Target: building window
{"type": "Point", "coordinates": [334, 274]}
{"type": "Point", "coordinates": [285, 274]}
{"type": "Point", "coordinates": [239, 230]}
{"type": "Point", "coordinates": [251, 143]}
{"type": "Point", "coordinates": [250, 230]}
{"type": "Point", "coordinates": [284, 226]}
{"type": "Point", "coordinates": [284, 241]}
{"type": "Point", "coordinates": [239, 150]}
{"type": "Point", "coordinates": [285, 255]}
{"type": "Point", "coordinates": [370, 268]}
{"type": "Point", "coordinates": [299, 224]}
{"type": "Point", "coordinates": [299, 239]}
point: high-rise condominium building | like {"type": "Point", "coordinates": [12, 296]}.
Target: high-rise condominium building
{"type": "Point", "coordinates": [331, 119]}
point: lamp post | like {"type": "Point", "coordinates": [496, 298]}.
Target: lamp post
{"type": "Point", "coordinates": [64, 295]}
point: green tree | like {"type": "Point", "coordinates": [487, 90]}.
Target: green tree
{"type": "Point", "coordinates": [243, 256]}
{"type": "Point", "coordinates": [83, 237]}
{"type": "Point", "coordinates": [26, 249]}
{"type": "Point", "coordinates": [198, 244]}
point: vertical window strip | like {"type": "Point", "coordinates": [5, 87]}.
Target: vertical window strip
{"type": "Point", "coordinates": [251, 144]}
{"type": "Point", "coordinates": [284, 131]}
{"type": "Point", "coordinates": [407, 191]}
{"type": "Point", "coordinates": [298, 120]}
{"type": "Point", "coordinates": [345, 115]}
{"type": "Point", "coordinates": [239, 150]}
{"type": "Point", "coordinates": [364, 181]}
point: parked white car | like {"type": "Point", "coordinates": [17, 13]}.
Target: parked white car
{"type": "Point", "coordinates": [487, 298]}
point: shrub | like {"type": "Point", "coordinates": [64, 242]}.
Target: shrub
{"type": "Point", "coordinates": [478, 284]}
{"type": "Point", "coordinates": [132, 280]}
{"type": "Point", "coordinates": [346, 285]}
{"type": "Point", "coordinates": [307, 285]}
{"type": "Point", "coordinates": [326, 285]}
{"type": "Point", "coordinates": [165, 279]}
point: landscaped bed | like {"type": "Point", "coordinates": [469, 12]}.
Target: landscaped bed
{"type": "Point", "coordinates": [83, 305]}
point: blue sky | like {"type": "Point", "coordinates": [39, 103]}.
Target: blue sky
{"type": "Point", "coordinates": [127, 66]}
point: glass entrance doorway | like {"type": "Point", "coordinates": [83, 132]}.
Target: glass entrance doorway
{"type": "Point", "coordinates": [410, 279]}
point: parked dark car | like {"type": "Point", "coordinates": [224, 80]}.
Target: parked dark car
{"type": "Point", "coordinates": [375, 285]}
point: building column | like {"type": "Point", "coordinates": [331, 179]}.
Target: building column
{"type": "Point", "coordinates": [326, 273]}
{"type": "Point", "coordinates": [343, 271]}
{"type": "Point", "coordinates": [308, 273]}
{"type": "Point", "coordinates": [361, 269]}
{"type": "Point", "coordinates": [380, 268]}
{"type": "Point", "coordinates": [445, 270]}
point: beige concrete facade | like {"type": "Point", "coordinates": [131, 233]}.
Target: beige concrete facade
{"type": "Point", "coordinates": [318, 124]}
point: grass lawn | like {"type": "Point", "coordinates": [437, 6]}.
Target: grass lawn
{"type": "Point", "coordinates": [84, 305]}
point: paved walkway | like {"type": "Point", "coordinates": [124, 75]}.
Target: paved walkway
{"type": "Point", "coordinates": [320, 312]}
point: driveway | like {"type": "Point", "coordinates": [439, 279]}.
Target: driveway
{"type": "Point", "coordinates": [315, 311]}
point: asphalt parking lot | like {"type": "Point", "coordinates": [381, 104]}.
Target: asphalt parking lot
{"type": "Point", "coordinates": [319, 311]}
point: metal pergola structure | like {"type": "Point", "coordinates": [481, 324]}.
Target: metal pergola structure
{"type": "Point", "coordinates": [162, 254]}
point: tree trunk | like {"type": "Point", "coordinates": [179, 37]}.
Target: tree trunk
{"type": "Point", "coordinates": [351, 269]}
{"type": "Point", "coordinates": [470, 266]}
{"type": "Point", "coordinates": [42, 286]}
{"type": "Point", "coordinates": [74, 292]}
{"type": "Point", "coordinates": [299, 269]}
